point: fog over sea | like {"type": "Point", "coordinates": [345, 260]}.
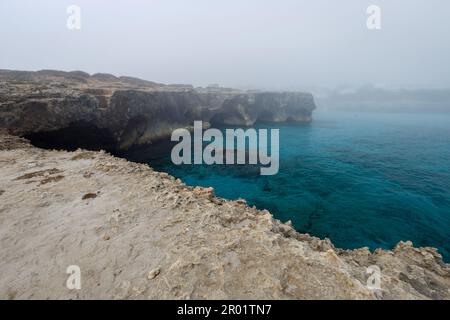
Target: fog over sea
{"type": "Point", "coordinates": [360, 179]}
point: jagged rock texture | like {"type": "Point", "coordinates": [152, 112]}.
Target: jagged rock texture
{"type": "Point", "coordinates": [126, 112]}
{"type": "Point", "coordinates": [139, 234]}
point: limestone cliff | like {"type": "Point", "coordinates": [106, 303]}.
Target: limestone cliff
{"type": "Point", "coordinates": [121, 112]}
{"type": "Point", "coordinates": [247, 109]}
{"type": "Point", "coordinates": [140, 234]}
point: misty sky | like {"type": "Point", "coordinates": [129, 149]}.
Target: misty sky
{"type": "Point", "coordinates": [256, 43]}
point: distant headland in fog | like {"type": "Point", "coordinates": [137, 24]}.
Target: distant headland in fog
{"type": "Point", "coordinates": [373, 98]}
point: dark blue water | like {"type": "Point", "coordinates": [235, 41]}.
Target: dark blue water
{"type": "Point", "coordinates": [360, 179]}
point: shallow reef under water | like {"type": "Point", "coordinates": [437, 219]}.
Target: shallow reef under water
{"type": "Point", "coordinates": [360, 179]}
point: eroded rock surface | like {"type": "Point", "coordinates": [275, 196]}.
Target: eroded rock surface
{"type": "Point", "coordinates": [247, 109]}
{"type": "Point", "coordinates": [141, 234]}
{"type": "Point", "coordinates": [121, 112]}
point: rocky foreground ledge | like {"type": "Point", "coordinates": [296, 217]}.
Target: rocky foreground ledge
{"type": "Point", "coordinates": [139, 234]}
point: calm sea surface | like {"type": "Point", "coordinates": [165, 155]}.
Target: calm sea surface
{"type": "Point", "coordinates": [360, 179]}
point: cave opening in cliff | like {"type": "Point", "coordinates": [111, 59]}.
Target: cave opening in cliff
{"type": "Point", "coordinates": [77, 135]}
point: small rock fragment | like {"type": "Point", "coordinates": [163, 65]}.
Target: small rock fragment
{"type": "Point", "coordinates": [217, 201]}
{"type": "Point", "coordinates": [153, 274]}
{"type": "Point", "coordinates": [89, 196]}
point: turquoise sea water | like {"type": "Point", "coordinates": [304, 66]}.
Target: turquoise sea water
{"type": "Point", "coordinates": [360, 179]}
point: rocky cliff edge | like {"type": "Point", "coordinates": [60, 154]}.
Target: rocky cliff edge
{"type": "Point", "coordinates": [140, 234]}
{"type": "Point", "coordinates": [122, 112]}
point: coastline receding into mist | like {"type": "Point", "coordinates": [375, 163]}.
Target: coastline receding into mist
{"type": "Point", "coordinates": [242, 152]}
{"type": "Point", "coordinates": [144, 234]}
